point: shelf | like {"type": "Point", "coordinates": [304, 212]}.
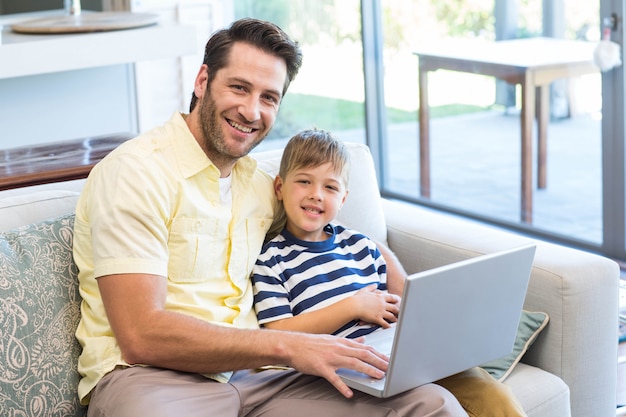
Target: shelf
{"type": "Point", "coordinates": [32, 54]}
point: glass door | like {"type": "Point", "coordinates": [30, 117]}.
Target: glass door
{"type": "Point", "coordinates": [514, 112]}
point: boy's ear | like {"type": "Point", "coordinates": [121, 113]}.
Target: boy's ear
{"type": "Point", "coordinates": [343, 200]}
{"type": "Point", "coordinates": [278, 187]}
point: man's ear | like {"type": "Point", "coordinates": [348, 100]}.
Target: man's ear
{"type": "Point", "coordinates": [278, 187]}
{"type": "Point", "coordinates": [200, 84]}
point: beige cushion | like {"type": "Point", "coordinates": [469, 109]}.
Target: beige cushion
{"type": "Point", "coordinates": [540, 393]}
{"type": "Point", "coordinates": [23, 209]}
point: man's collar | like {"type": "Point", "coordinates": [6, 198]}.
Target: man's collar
{"type": "Point", "coordinates": [193, 160]}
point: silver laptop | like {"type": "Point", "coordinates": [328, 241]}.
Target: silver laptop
{"type": "Point", "coordinates": [452, 318]}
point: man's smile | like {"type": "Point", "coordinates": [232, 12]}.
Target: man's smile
{"type": "Point", "coordinates": [240, 127]}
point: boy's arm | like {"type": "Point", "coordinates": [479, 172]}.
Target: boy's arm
{"type": "Point", "coordinates": [368, 304]}
{"type": "Point", "coordinates": [323, 321]}
{"type": "Point", "coordinates": [396, 274]}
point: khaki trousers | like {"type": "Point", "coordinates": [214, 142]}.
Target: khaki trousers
{"type": "Point", "coordinates": [145, 391]}
{"type": "Point", "coordinates": [481, 395]}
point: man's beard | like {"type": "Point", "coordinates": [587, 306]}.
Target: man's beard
{"type": "Point", "coordinates": [213, 137]}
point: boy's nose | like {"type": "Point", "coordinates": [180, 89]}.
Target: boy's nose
{"type": "Point", "coordinates": [316, 193]}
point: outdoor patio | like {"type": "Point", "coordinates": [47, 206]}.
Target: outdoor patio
{"type": "Point", "coordinates": [475, 166]}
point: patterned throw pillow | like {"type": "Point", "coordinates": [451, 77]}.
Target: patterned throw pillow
{"type": "Point", "coordinates": [39, 312]}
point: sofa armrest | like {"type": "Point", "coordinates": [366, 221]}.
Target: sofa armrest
{"type": "Point", "coordinates": [577, 289]}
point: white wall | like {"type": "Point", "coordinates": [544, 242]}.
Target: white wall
{"type": "Point", "coordinates": [66, 105]}
{"type": "Point", "coordinates": [165, 86]}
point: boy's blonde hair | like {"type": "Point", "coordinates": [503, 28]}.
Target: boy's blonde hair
{"type": "Point", "coordinates": [312, 148]}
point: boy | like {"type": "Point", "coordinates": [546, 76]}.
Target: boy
{"type": "Point", "coordinates": [320, 277]}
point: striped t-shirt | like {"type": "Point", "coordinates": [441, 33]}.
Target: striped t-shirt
{"type": "Point", "coordinates": [292, 276]}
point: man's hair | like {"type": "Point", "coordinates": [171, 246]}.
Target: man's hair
{"type": "Point", "coordinates": [266, 36]}
{"type": "Point", "coordinates": [312, 148]}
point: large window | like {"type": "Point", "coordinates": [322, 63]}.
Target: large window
{"type": "Point", "coordinates": [475, 128]}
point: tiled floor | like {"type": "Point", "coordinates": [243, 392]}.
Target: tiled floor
{"type": "Point", "coordinates": [475, 166]}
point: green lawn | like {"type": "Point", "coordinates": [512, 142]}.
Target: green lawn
{"type": "Point", "coordinates": [300, 111]}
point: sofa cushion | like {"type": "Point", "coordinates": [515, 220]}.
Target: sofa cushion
{"type": "Point", "coordinates": [540, 392]}
{"type": "Point", "coordinates": [22, 209]}
{"type": "Point", "coordinates": [363, 208]}
{"type": "Point", "coordinates": [39, 312]}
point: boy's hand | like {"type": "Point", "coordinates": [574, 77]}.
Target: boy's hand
{"type": "Point", "coordinates": [375, 306]}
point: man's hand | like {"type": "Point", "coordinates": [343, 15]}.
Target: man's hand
{"type": "Point", "coordinates": [376, 307]}
{"type": "Point", "coordinates": [322, 355]}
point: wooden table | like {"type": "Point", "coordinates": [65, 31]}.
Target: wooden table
{"type": "Point", "coordinates": [55, 162]}
{"type": "Point", "coordinates": [533, 63]}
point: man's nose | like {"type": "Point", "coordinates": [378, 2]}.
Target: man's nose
{"type": "Point", "coordinates": [250, 109]}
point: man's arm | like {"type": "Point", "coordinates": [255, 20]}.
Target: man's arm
{"type": "Point", "coordinates": [150, 335]}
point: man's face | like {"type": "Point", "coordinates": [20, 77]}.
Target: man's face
{"type": "Point", "coordinates": [240, 106]}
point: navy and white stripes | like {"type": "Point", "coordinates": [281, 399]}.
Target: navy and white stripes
{"type": "Point", "coordinates": [292, 276]}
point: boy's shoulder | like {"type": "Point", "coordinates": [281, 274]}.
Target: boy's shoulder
{"type": "Point", "coordinates": [345, 231]}
{"type": "Point", "coordinates": [279, 240]}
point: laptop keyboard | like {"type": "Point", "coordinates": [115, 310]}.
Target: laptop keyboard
{"type": "Point", "coordinates": [382, 340]}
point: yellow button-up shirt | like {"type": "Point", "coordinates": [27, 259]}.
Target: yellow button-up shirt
{"type": "Point", "coordinates": [153, 206]}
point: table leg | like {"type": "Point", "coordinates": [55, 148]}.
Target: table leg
{"type": "Point", "coordinates": [424, 139]}
{"type": "Point", "coordinates": [543, 114]}
{"type": "Point", "coordinates": [527, 118]}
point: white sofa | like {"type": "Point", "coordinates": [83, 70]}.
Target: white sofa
{"type": "Point", "coordinates": [571, 368]}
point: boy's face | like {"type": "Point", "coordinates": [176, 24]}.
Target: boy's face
{"type": "Point", "coordinates": [312, 198]}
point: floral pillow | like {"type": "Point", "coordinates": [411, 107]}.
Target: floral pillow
{"type": "Point", "coordinates": [39, 312]}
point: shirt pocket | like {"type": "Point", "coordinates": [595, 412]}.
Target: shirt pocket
{"type": "Point", "coordinates": [256, 229]}
{"type": "Point", "coordinates": [197, 249]}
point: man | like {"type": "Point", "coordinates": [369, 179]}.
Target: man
{"type": "Point", "coordinates": [167, 230]}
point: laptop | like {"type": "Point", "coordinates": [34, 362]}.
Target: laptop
{"type": "Point", "coordinates": [452, 318]}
